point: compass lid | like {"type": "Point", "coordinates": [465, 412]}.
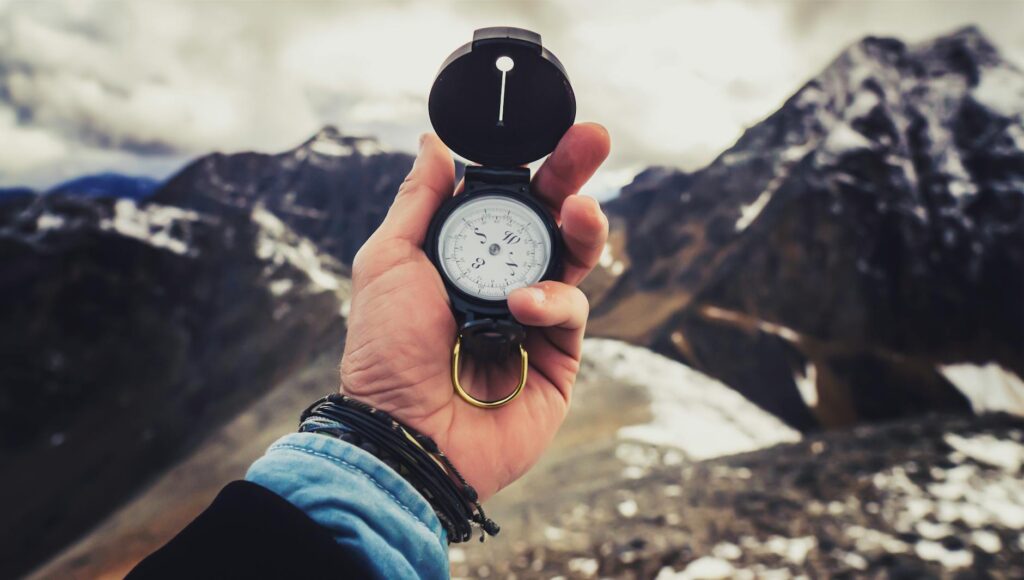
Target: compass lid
{"type": "Point", "coordinates": [502, 99]}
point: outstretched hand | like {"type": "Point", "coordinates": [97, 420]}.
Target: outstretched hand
{"type": "Point", "coordinates": [401, 329]}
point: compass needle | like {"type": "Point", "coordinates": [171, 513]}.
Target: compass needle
{"type": "Point", "coordinates": [504, 64]}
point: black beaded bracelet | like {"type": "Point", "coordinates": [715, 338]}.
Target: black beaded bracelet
{"type": "Point", "coordinates": [410, 453]}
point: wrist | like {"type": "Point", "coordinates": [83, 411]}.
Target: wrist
{"type": "Point", "coordinates": [422, 414]}
{"type": "Point", "coordinates": [411, 454]}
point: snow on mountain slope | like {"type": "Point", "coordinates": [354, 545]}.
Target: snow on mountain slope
{"type": "Point", "coordinates": [989, 387]}
{"type": "Point", "coordinates": [154, 224]}
{"type": "Point", "coordinates": [690, 410]}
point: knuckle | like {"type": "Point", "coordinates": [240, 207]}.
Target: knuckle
{"type": "Point", "coordinates": [408, 184]}
{"type": "Point", "coordinates": [374, 258]}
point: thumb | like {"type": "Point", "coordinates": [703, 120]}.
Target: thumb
{"type": "Point", "coordinates": [428, 185]}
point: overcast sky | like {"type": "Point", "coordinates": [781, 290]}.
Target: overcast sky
{"type": "Point", "coordinates": [140, 88]}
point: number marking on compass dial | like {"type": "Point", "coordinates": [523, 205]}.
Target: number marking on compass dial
{"type": "Point", "coordinates": [492, 245]}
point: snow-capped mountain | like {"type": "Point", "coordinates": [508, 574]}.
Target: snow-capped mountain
{"type": "Point", "coordinates": [130, 331]}
{"type": "Point", "coordinates": [333, 189]}
{"type": "Point", "coordinates": [849, 250]}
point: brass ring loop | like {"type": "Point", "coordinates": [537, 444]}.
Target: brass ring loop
{"type": "Point", "coordinates": [477, 402]}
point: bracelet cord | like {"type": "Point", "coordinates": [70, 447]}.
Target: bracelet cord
{"type": "Point", "coordinates": [413, 455]}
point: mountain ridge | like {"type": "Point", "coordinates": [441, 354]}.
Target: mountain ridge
{"type": "Point", "coordinates": [333, 189]}
{"type": "Point", "coordinates": [839, 232]}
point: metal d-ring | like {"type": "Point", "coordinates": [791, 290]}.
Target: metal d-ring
{"type": "Point", "coordinates": [487, 404]}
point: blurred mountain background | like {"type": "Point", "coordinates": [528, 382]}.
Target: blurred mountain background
{"type": "Point", "coordinates": [806, 356]}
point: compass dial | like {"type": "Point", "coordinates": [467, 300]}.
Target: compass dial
{"type": "Point", "coordinates": [492, 245]}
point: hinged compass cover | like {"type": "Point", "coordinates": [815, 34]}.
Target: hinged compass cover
{"type": "Point", "coordinates": [502, 99]}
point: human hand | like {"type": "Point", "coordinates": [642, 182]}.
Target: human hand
{"type": "Point", "coordinates": [401, 328]}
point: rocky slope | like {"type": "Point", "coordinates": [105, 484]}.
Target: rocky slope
{"type": "Point", "coordinates": [848, 250]}
{"type": "Point", "coordinates": [139, 327]}
{"type": "Point", "coordinates": [936, 497]}
{"type": "Point", "coordinates": [619, 406]}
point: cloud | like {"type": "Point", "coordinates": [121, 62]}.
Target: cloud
{"type": "Point", "coordinates": [138, 86]}
{"type": "Point", "coordinates": [25, 148]}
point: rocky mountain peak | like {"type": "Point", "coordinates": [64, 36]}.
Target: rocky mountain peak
{"type": "Point", "coordinates": [330, 142]}
{"type": "Point", "coordinates": [875, 221]}
{"type": "Point", "coordinates": [333, 189]}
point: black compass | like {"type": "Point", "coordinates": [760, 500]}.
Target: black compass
{"type": "Point", "coordinates": [502, 101]}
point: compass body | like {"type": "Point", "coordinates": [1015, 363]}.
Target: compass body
{"type": "Point", "coordinates": [502, 101]}
{"type": "Point", "coordinates": [490, 240]}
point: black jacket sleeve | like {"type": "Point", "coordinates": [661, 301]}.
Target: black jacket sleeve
{"type": "Point", "coordinates": [251, 532]}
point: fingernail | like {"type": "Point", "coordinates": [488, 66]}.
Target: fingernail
{"type": "Point", "coordinates": [423, 139]}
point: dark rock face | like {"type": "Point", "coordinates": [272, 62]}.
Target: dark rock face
{"type": "Point", "coordinates": [131, 331]}
{"type": "Point", "coordinates": [935, 497]}
{"type": "Point", "coordinates": [333, 189]}
{"type": "Point", "coordinates": [865, 234]}
{"type": "Point", "coordinates": [146, 322]}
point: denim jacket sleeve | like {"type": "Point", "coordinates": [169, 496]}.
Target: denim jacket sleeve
{"type": "Point", "coordinates": [362, 502]}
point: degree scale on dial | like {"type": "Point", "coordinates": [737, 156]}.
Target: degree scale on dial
{"type": "Point", "coordinates": [492, 246]}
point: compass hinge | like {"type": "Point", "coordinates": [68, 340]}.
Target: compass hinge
{"type": "Point", "coordinates": [477, 175]}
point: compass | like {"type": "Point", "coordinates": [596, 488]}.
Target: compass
{"type": "Point", "coordinates": [501, 101]}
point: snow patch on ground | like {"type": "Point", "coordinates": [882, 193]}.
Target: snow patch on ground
{"type": "Point", "coordinates": [706, 568]}
{"type": "Point", "coordinates": [867, 540]}
{"type": "Point", "coordinates": [1005, 454]}
{"type": "Point", "coordinates": [1001, 90]}
{"type": "Point", "coordinates": [968, 494]}
{"type": "Point", "coordinates": [49, 221]}
{"type": "Point", "coordinates": [961, 183]}
{"type": "Point", "coordinates": [793, 549]}
{"type": "Point", "coordinates": [863, 103]}
{"type": "Point", "coordinates": [1016, 134]}
{"type": "Point", "coordinates": [280, 287]}
{"type": "Point", "coordinates": [608, 261]}
{"type": "Point", "coordinates": [749, 213]}
{"type": "Point", "coordinates": [628, 508]}
{"type": "Point", "coordinates": [727, 551]}
{"type": "Point", "coordinates": [843, 138]}
{"type": "Point", "coordinates": [936, 552]}
{"type": "Point", "coordinates": [807, 384]}
{"type": "Point", "coordinates": [151, 223]}
{"type": "Point", "coordinates": [987, 541]}
{"type": "Point", "coordinates": [691, 411]}
{"type": "Point", "coordinates": [586, 567]}
{"type": "Point", "coordinates": [989, 387]}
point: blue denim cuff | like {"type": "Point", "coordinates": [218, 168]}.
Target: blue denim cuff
{"type": "Point", "coordinates": [360, 500]}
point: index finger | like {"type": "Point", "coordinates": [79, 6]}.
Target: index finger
{"type": "Point", "coordinates": [578, 155]}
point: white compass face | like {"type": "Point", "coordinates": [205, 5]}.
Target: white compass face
{"type": "Point", "coordinates": [492, 245]}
